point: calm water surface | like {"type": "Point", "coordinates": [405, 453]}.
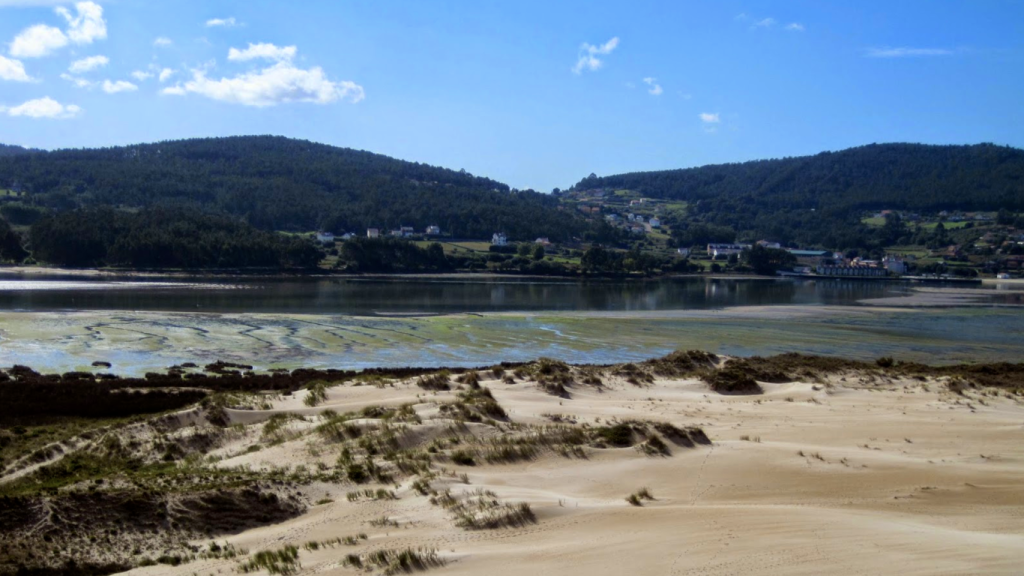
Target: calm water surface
{"type": "Point", "coordinates": [357, 296]}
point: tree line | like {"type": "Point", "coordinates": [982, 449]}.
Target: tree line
{"type": "Point", "coordinates": [276, 183]}
{"type": "Point", "coordinates": [163, 238]}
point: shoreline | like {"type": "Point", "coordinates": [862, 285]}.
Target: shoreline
{"type": "Point", "coordinates": [109, 273]}
{"type": "Point", "coordinates": [113, 273]}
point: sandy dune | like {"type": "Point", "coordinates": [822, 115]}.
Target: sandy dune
{"type": "Point", "coordinates": [837, 477]}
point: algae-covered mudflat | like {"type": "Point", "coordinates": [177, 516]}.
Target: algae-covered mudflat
{"type": "Point", "coordinates": [61, 324]}
{"type": "Point", "coordinates": [135, 342]}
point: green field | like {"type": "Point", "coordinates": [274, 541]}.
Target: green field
{"type": "Point", "coordinates": [912, 250]}
{"type": "Point", "coordinates": [879, 222]}
{"type": "Point", "coordinates": [949, 225]}
{"type": "Point", "coordinates": [457, 247]}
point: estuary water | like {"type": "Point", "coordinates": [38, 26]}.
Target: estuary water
{"type": "Point", "coordinates": [418, 295]}
{"type": "Point", "coordinates": [62, 324]}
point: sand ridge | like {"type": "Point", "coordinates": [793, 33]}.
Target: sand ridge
{"type": "Point", "coordinates": [843, 475]}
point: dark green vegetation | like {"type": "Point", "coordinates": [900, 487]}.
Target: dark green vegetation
{"type": "Point", "coordinates": [27, 396]}
{"type": "Point", "coordinates": [8, 150]}
{"type": "Point", "coordinates": [767, 260]}
{"type": "Point", "coordinates": [85, 396]}
{"type": "Point", "coordinates": [11, 249]}
{"type": "Point", "coordinates": [277, 183]}
{"type": "Point", "coordinates": [819, 200]}
{"type": "Point", "coordinates": [163, 238]}
{"type": "Point", "coordinates": [601, 260]}
{"type": "Point", "coordinates": [392, 255]}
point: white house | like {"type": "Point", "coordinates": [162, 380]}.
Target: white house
{"type": "Point", "coordinates": [895, 265]}
{"type": "Point", "coordinates": [543, 241]}
{"type": "Point", "coordinates": [373, 232]}
{"type": "Point", "coordinates": [499, 239]}
{"type": "Point", "coordinates": [767, 244]}
{"type": "Point", "coordinates": [433, 230]}
{"type": "Point", "coordinates": [325, 237]}
{"type": "Point", "coordinates": [655, 222]}
{"type": "Point", "coordinates": [684, 252]}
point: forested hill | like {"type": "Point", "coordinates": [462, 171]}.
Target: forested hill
{"type": "Point", "coordinates": [277, 183]}
{"type": "Point", "coordinates": [8, 150]}
{"type": "Point", "coordinates": [879, 176]}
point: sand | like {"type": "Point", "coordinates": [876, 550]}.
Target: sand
{"type": "Point", "coordinates": [851, 476]}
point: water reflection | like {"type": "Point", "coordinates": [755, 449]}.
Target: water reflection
{"type": "Point", "coordinates": [362, 296]}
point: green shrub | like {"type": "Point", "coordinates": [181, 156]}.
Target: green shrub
{"type": "Point", "coordinates": [439, 381]}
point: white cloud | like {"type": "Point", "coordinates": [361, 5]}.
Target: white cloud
{"type": "Point", "coordinates": [905, 52]}
{"type": "Point", "coordinates": [141, 75]}
{"type": "Point", "coordinates": [765, 23]}
{"type": "Point", "coordinates": [87, 25]}
{"type": "Point", "coordinates": [13, 70]}
{"type": "Point", "coordinates": [278, 84]}
{"type": "Point", "coordinates": [162, 41]}
{"type": "Point", "coordinates": [655, 88]}
{"type": "Point", "coordinates": [262, 50]}
{"type": "Point", "coordinates": [41, 40]}
{"type": "Point", "coordinates": [45, 107]}
{"type": "Point", "coordinates": [795, 27]}
{"type": "Point", "coordinates": [87, 64]}
{"type": "Point", "coordinates": [119, 86]}
{"type": "Point", "coordinates": [224, 22]}
{"type": "Point", "coordinates": [165, 74]}
{"type": "Point", "coordinates": [710, 121]}
{"type": "Point", "coordinates": [588, 55]}
{"type": "Point", "coordinates": [78, 82]}
{"type": "Point", "coordinates": [37, 41]}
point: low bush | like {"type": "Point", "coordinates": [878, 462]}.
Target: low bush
{"type": "Point", "coordinates": [284, 561]}
{"type": "Point", "coordinates": [439, 381]}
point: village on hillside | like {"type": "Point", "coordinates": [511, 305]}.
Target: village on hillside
{"type": "Point", "coordinates": [977, 241]}
{"type": "Point", "coordinates": [962, 246]}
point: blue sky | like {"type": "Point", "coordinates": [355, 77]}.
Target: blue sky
{"type": "Point", "coordinates": [532, 93]}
